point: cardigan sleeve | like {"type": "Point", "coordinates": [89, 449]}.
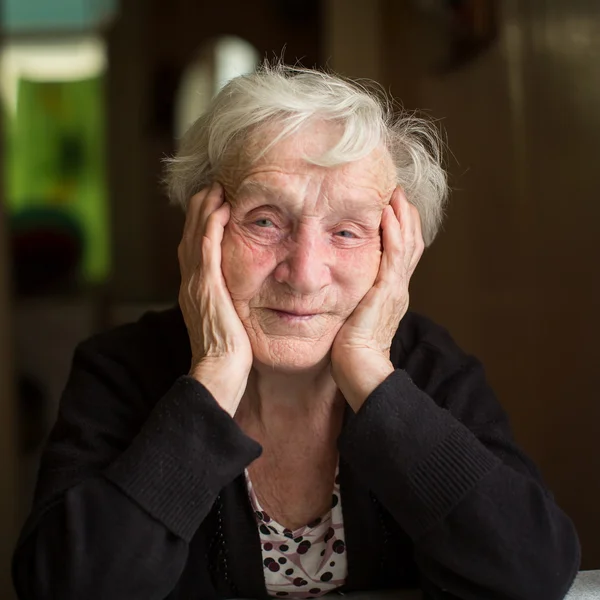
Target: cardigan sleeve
{"type": "Point", "coordinates": [450, 474]}
{"type": "Point", "coordinates": [123, 487]}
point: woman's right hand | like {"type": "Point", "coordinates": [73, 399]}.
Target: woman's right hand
{"type": "Point", "coordinates": [221, 351]}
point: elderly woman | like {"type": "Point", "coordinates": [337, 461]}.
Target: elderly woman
{"type": "Point", "coordinates": [290, 429]}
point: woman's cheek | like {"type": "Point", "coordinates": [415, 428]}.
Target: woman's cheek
{"type": "Point", "coordinates": [360, 266]}
{"type": "Point", "coordinates": [245, 265]}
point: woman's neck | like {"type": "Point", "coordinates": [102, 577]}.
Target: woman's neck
{"type": "Point", "coordinates": [280, 401]}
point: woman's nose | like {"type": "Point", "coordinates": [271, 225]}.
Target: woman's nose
{"type": "Point", "coordinates": [305, 267]}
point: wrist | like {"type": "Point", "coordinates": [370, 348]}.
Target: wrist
{"type": "Point", "coordinates": [224, 378]}
{"type": "Point", "coordinates": [358, 383]}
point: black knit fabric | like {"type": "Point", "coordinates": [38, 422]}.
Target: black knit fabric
{"type": "Point", "coordinates": [141, 494]}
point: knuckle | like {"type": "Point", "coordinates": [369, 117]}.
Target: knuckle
{"type": "Point", "coordinates": [212, 219]}
{"type": "Point", "coordinates": [205, 246]}
{"type": "Point", "coordinates": [397, 253]}
{"type": "Point", "coordinates": [209, 222]}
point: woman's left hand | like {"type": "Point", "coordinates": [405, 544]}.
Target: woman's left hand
{"type": "Point", "coordinates": [360, 356]}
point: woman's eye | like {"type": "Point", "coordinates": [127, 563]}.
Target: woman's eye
{"type": "Point", "coordinates": [264, 223]}
{"type": "Point", "coordinates": [345, 234]}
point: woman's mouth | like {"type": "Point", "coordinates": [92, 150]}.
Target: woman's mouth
{"type": "Point", "coordinates": [293, 315]}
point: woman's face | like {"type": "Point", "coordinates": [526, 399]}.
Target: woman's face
{"type": "Point", "coordinates": [302, 246]}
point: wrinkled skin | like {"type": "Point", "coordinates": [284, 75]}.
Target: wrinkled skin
{"type": "Point", "coordinates": [300, 248]}
{"type": "Point", "coordinates": [302, 239]}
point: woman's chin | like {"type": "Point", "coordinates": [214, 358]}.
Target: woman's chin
{"type": "Point", "coordinates": [291, 355]}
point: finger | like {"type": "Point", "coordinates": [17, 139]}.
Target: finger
{"type": "Point", "coordinates": [410, 224]}
{"type": "Point", "coordinates": [214, 199]}
{"type": "Point", "coordinates": [193, 212]}
{"type": "Point", "coordinates": [391, 260]}
{"type": "Point", "coordinates": [187, 251]}
{"type": "Point", "coordinates": [418, 237]}
{"type": "Point", "coordinates": [200, 206]}
{"type": "Point", "coordinates": [401, 210]}
{"type": "Point", "coordinates": [405, 215]}
{"type": "Point", "coordinates": [398, 197]}
{"type": "Point", "coordinates": [213, 236]}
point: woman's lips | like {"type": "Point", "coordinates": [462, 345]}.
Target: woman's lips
{"type": "Point", "coordinates": [292, 316]}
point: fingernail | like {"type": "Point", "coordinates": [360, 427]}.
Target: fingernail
{"type": "Point", "coordinates": [218, 188]}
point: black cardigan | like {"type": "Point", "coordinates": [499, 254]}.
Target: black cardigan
{"type": "Point", "coordinates": [141, 494]}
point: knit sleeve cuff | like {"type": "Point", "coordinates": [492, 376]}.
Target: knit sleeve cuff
{"type": "Point", "coordinates": [416, 458]}
{"type": "Point", "coordinates": [187, 451]}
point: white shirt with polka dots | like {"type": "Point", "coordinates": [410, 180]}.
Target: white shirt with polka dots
{"type": "Point", "coordinates": [308, 562]}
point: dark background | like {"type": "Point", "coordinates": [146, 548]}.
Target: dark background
{"type": "Point", "coordinates": [513, 275]}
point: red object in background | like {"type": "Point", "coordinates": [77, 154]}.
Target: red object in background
{"type": "Point", "coordinates": [47, 249]}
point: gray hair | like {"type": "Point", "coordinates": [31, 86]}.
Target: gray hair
{"type": "Point", "coordinates": [291, 97]}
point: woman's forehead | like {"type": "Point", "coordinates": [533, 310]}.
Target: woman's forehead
{"type": "Point", "coordinates": [291, 188]}
{"type": "Point", "coordinates": [289, 157]}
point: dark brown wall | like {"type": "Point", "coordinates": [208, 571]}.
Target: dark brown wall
{"type": "Point", "coordinates": [9, 512]}
{"type": "Point", "coordinates": [515, 273]}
